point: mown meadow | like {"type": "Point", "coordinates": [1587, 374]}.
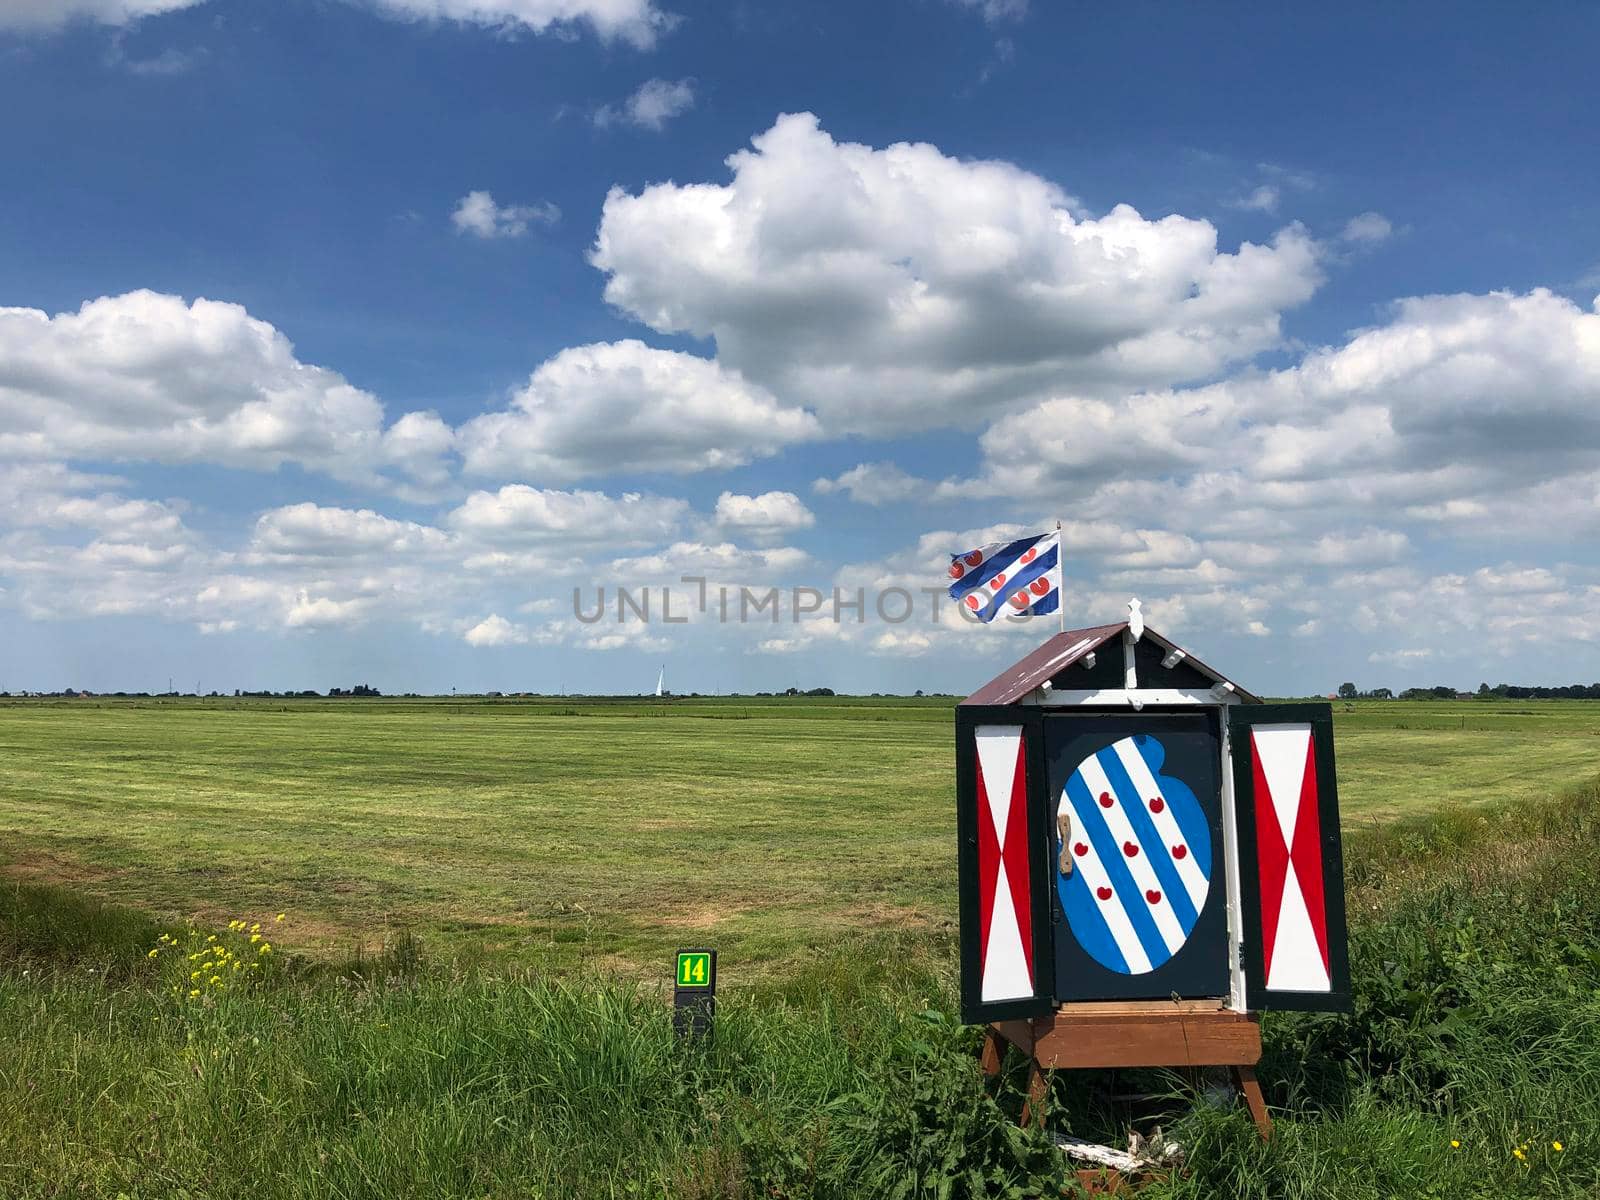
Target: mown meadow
{"type": "Point", "coordinates": [559, 832]}
{"type": "Point", "coordinates": [488, 1056]}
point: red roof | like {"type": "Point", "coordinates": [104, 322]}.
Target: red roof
{"type": "Point", "coordinates": [1060, 651]}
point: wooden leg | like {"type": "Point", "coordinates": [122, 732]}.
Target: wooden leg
{"type": "Point", "coordinates": [1245, 1077]}
{"type": "Point", "coordinates": [994, 1051]}
{"type": "Point", "coordinates": [1038, 1093]}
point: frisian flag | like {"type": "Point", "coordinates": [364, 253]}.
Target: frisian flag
{"type": "Point", "coordinates": [1021, 577]}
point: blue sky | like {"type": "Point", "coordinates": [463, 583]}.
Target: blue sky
{"type": "Point", "coordinates": [342, 340]}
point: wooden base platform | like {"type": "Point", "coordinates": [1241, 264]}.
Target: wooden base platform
{"type": "Point", "coordinates": [1154, 1033]}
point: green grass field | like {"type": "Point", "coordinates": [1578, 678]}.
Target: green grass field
{"type": "Point", "coordinates": [554, 831]}
{"type": "Point", "coordinates": [812, 842]}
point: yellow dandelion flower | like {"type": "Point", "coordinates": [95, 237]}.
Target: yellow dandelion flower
{"type": "Point", "coordinates": [193, 992]}
{"type": "Point", "coordinates": [152, 954]}
{"type": "Point", "coordinates": [1454, 1144]}
{"type": "Point", "coordinates": [279, 917]}
{"type": "Point", "coordinates": [1557, 1147]}
{"type": "Point", "coordinates": [255, 937]}
{"type": "Point", "coordinates": [266, 948]}
{"type": "Point", "coordinates": [255, 966]}
{"type": "Point", "coordinates": [194, 974]}
{"type": "Point", "coordinates": [1517, 1153]}
{"type": "Point", "coordinates": [214, 980]}
{"type": "Point", "coordinates": [210, 938]}
{"type": "Point", "coordinates": [256, 928]}
{"type": "Point", "coordinates": [194, 956]}
{"type": "Point", "coordinates": [236, 964]}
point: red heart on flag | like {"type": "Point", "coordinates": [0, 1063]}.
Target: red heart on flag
{"type": "Point", "coordinates": [1040, 586]}
{"type": "Point", "coordinates": [1027, 555]}
{"type": "Point", "coordinates": [957, 570]}
{"type": "Point", "coordinates": [998, 582]}
{"type": "Point", "coordinates": [1104, 893]}
{"type": "Point", "coordinates": [1180, 852]}
{"type": "Point", "coordinates": [1153, 896]}
{"type": "Point", "coordinates": [1157, 804]}
{"type": "Point", "coordinates": [1105, 799]}
{"type": "Point", "coordinates": [974, 558]}
{"type": "Point", "coordinates": [1130, 849]}
{"type": "Point", "coordinates": [1079, 849]}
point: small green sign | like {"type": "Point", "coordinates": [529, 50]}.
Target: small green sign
{"type": "Point", "coordinates": [694, 969]}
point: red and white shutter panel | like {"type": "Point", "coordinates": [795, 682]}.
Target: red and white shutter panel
{"type": "Point", "coordinates": [1005, 907]}
{"type": "Point", "coordinates": [1292, 876]}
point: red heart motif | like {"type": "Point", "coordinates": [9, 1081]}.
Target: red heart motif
{"type": "Point", "coordinates": [1079, 849]}
{"type": "Point", "coordinates": [1157, 804]}
{"type": "Point", "coordinates": [1104, 893]}
{"type": "Point", "coordinates": [1130, 849]}
{"type": "Point", "coordinates": [1105, 799]}
{"type": "Point", "coordinates": [1180, 852]}
{"type": "Point", "coordinates": [1153, 896]}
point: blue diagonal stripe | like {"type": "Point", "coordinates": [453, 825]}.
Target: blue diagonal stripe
{"type": "Point", "coordinates": [1156, 850]}
{"type": "Point", "coordinates": [1046, 604]}
{"type": "Point", "coordinates": [1122, 882]}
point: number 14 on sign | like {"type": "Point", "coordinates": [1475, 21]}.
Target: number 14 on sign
{"type": "Point", "coordinates": [694, 969]}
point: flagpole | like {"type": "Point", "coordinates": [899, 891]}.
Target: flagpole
{"type": "Point", "coordinates": [1061, 577]}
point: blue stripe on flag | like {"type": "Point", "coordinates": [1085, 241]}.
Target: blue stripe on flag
{"type": "Point", "coordinates": [1049, 604]}
{"type": "Point", "coordinates": [1155, 847]}
{"type": "Point", "coordinates": [1113, 861]}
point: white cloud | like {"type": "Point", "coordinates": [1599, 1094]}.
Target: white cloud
{"type": "Point", "coordinates": [313, 531]}
{"type": "Point", "coordinates": [495, 630]}
{"type": "Point", "coordinates": [146, 377]}
{"type": "Point", "coordinates": [874, 483]}
{"type": "Point", "coordinates": [1263, 199]}
{"type": "Point", "coordinates": [723, 562]}
{"type": "Point", "coordinates": [1399, 656]}
{"type": "Point", "coordinates": [623, 407]}
{"type": "Point", "coordinates": [900, 289]}
{"type": "Point", "coordinates": [769, 515]}
{"type": "Point", "coordinates": [40, 16]}
{"type": "Point", "coordinates": [996, 11]}
{"type": "Point", "coordinates": [655, 103]}
{"type": "Point", "coordinates": [521, 515]}
{"type": "Point", "coordinates": [323, 612]}
{"type": "Point", "coordinates": [1458, 407]}
{"type": "Point", "coordinates": [1368, 228]}
{"type": "Point", "coordinates": [478, 214]}
{"type": "Point", "coordinates": [637, 22]}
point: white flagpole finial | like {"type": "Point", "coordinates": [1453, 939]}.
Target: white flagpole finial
{"type": "Point", "coordinates": [1135, 619]}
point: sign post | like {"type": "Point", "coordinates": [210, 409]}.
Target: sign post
{"type": "Point", "coordinates": [694, 993]}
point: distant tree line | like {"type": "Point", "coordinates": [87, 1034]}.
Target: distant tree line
{"type": "Point", "coordinates": [1500, 691]}
{"type": "Point", "coordinates": [360, 689]}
